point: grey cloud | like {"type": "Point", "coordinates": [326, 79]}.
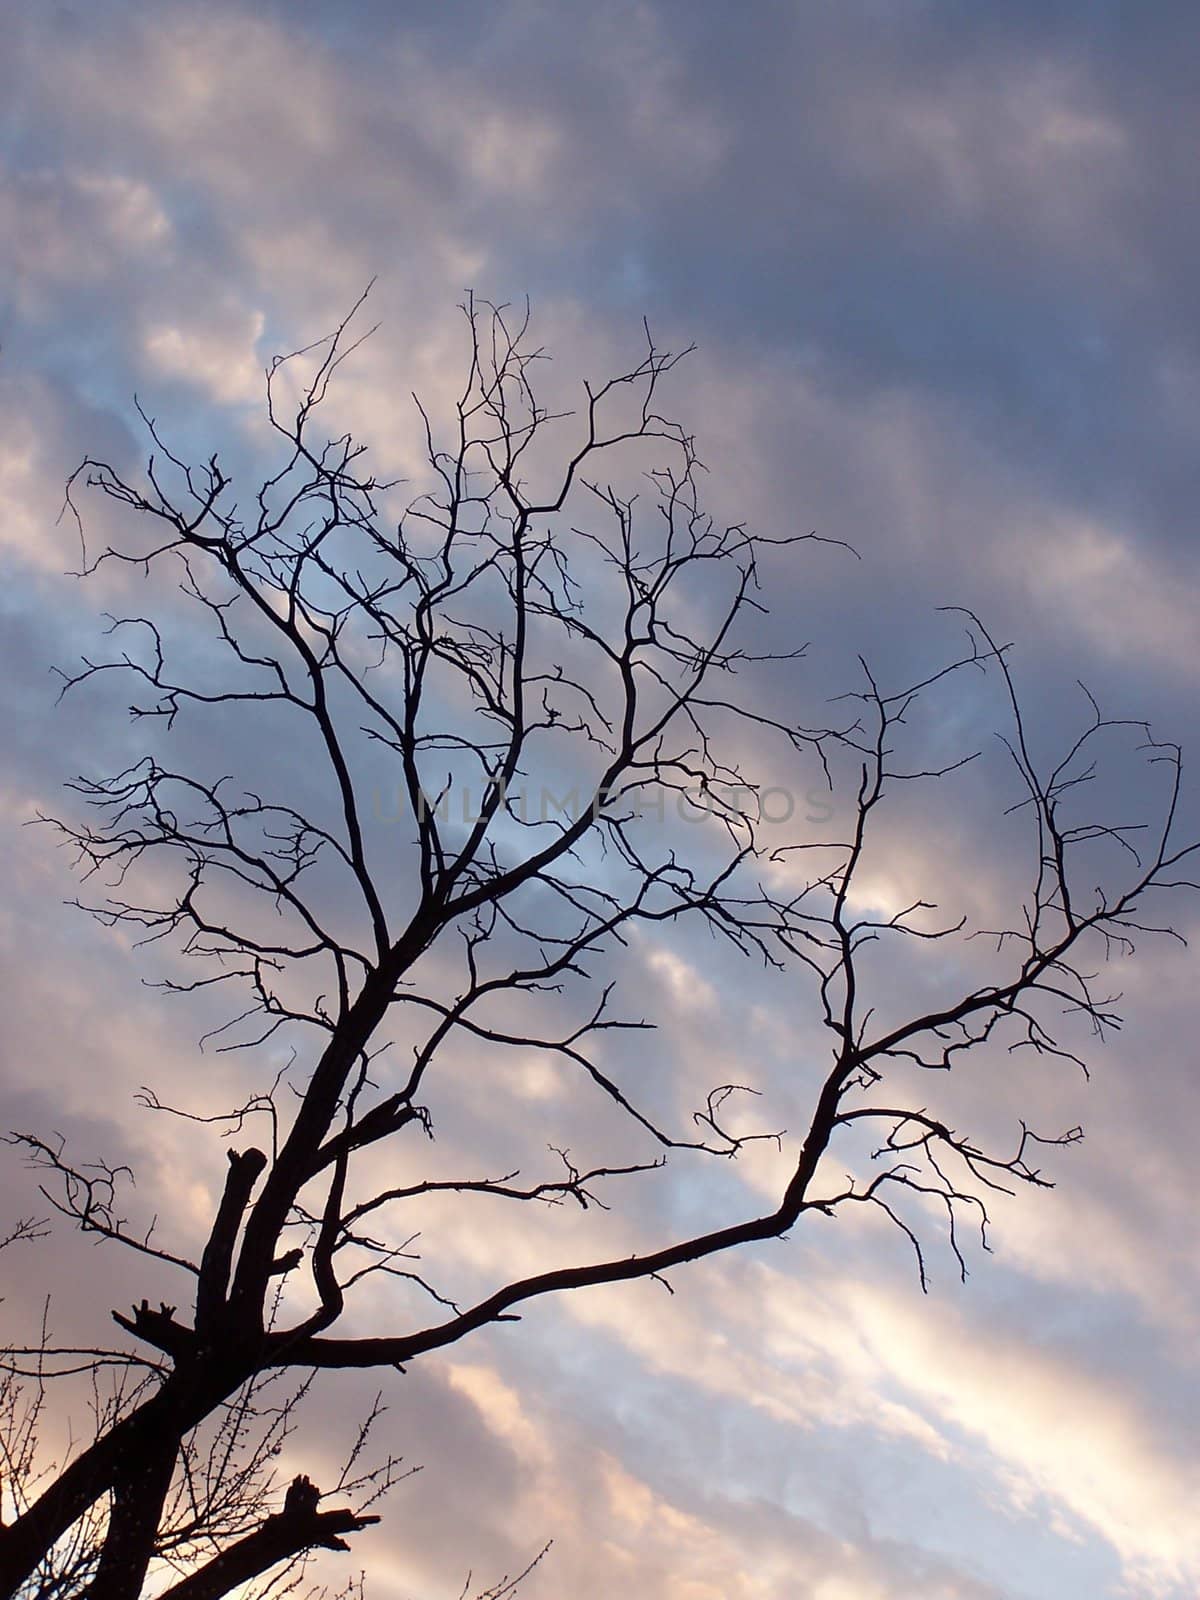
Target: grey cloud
{"type": "Point", "coordinates": [934, 321]}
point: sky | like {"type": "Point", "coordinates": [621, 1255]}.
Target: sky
{"type": "Point", "coordinates": [939, 263]}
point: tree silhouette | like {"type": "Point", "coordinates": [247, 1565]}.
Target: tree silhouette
{"type": "Point", "coordinates": [381, 861]}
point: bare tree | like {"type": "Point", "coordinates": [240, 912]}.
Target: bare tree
{"type": "Point", "coordinates": [523, 625]}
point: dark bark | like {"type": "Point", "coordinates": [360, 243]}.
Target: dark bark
{"type": "Point", "coordinates": [299, 1527]}
{"type": "Point", "coordinates": [136, 1510]}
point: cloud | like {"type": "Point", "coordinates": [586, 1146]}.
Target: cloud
{"type": "Point", "coordinates": [942, 277]}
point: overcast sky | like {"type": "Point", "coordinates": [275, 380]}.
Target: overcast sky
{"type": "Point", "coordinates": [940, 264]}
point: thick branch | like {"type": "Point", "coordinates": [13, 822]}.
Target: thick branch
{"type": "Point", "coordinates": [299, 1527]}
